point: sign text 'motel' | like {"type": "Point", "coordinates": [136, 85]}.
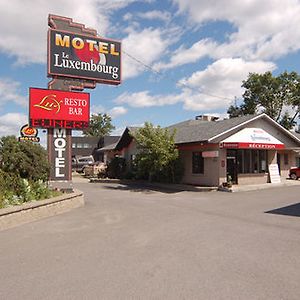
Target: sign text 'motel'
{"type": "Point", "coordinates": [84, 56]}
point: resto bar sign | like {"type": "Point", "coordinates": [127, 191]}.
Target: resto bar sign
{"type": "Point", "coordinates": [58, 109]}
{"type": "Point", "coordinates": [84, 57]}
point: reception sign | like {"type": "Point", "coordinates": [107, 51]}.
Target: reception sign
{"type": "Point", "coordinates": [252, 138]}
{"type": "Point", "coordinates": [58, 109]}
{"type": "Point", "coordinates": [84, 57]}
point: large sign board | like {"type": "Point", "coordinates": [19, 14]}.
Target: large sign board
{"type": "Point", "coordinates": [84, 56]}
{"type": "Point", "coordinates": [58, 109]}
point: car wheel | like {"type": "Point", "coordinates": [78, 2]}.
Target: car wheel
{"type": "Point", "coordinates": [293, 176]}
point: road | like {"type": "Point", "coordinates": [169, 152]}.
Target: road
{"type": "Point", "coordinates": [130, 242]}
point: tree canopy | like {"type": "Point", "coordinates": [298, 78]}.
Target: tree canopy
{"type": "Point", "coordinates": [158, 156]}
{"type": "Point", "coordinates": [100, 125]}
{"type": "Point", "coordinates": [24, 159]}
{"type": "Point", "coordinates": [271, 95]}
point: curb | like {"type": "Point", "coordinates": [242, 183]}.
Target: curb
{"type": "Point", "coordinates": [17, 215]}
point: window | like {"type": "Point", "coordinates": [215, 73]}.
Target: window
{"type": "Point", "coordinates": [86, 146]}
{"type": "Point", "coordinates": [79, 145]}
{"type": "Point", "coordinates": [250, 161]}
{"type": "Point", "coordinates": [73, 145]}
{"type": "Point", "coordinates": [197, 163]}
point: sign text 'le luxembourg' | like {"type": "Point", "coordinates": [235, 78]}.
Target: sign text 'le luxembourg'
{"type": "Point", "coordinates": [58, 109]}
{"type": "Point", "coordinates": [84, 56]}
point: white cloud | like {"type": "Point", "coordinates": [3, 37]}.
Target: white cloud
{"type": "Point", "coordinates": [219, 83]}
{"type": "Point", "coordinates": [9, 92]}
{"type": "Point", "coordinates": [147, 46]}
{"type": "Point", "coordinates": [263, 30]}
{"type": "Point", "coordinates": [144, 99]}
{"type": "Point", "coordinates": [97, 109]}
{"type": "Point", "coordinates": [183, 55]}
{"type": "Point", "coordinates": [11, 123]}
{"type": "Point", "coordinates": [205, 91]}
{"type": "Point", "coordinates": [155, 14]}
{"type": "Point", "coordinates": [24, 25]}
{"type": "Point", "coordinates": [117, 111]}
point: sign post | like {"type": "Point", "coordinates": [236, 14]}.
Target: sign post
{"type": "Point", "coordinates": [77, 59]}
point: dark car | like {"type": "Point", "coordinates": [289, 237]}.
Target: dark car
{"type": "Point", "coordinates": [294, 173]}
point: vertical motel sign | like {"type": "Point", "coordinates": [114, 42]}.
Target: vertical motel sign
{"type": "Point", "coordinates": [77, 59]}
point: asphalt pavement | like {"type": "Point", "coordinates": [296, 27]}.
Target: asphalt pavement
{"type": "Point", "coordinates": [137, 242]}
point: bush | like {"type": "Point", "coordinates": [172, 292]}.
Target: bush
{"type": "Point", "coordinates": [24, 171]}
{"type": "Point", "coordinates": [15, 190]}
{"type": "Point", "coordinates": [25, 159]}
{"type": "Point", "coordinates": [116, 168]}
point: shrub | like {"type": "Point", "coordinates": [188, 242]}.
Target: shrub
{"type": "Point", "coordinates": [116, 168]}
{"type": "Point", "coordinates": [24, 169]}
{"type": "Point", "coordinates": [25, 159]}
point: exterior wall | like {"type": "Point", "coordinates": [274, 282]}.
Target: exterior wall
{"type": "Point", "coordinates": [210, 177]}
{"type": "Point", "coordinates": [252, 178]}
{"type": "Point", "coordinates": [128, 152]}
{"type": "Point", "coordinates": [284, 168]}
{"type": "Point", "coordinates": [84, 146]}
{"type": "Point", "coordinates": [222, 166]}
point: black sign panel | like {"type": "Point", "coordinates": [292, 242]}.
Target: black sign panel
{"type": "Point", "coordinates": [59, 149]}
{"type": "Point", "coordinates": [84, 57]}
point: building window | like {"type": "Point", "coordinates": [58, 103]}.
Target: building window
{"type": "Point", "coordinates": [79, 145]}
{"type": "Point", "coordinates": [286, 158]}
{"type": "Point", "coordinates": [251, 161]}
{"type": "Point", "coordinates": [73, 145]}
{"type": "Point", "coordinates": [197, 163]}
{"type": "Point", "coordinates": [86, 146]}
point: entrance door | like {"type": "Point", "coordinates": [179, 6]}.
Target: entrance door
{"type": "Point", "coordinates": [232, 167]}
{"type": "Point", "coordinates": [278, 162]}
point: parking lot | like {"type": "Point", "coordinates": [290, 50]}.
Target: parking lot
{"type": "Point", "coordinates": [137, 242]}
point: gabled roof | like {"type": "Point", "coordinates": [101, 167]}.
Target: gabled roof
{"type": "Point", "coordinates": [192, 131]}
{"type": "Point", "coordinates": [126, 137]}
{"type": "Point", "coordinates": [108, 147]}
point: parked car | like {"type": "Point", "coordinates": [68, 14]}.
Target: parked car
{"type": "Point", "coordinates": [294, 173]}
{"type": "Point", "coordinates": [79, 163]}
{"type": "Point", "coordinates": [97, 169]}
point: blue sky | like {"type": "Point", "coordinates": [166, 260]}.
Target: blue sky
{"type": "Point", "coordinates": [199, 53]}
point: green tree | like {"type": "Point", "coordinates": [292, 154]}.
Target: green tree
{"type": "Point", "coordinates": [269, 94]}
{"type": "Point", "coordinates": [24, 159]}
{"type": "Point", "coordinates": [157, 152]}
{"type": "Point", "coordinates": [100, 125]}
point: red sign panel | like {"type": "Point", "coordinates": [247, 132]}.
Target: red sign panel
{"type": "Point", "coordinates": [251, 146]}
{"type": "Point", "coordinates": [58, 109]}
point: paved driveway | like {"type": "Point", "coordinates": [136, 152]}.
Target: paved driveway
{"type": "Point", "coordinates": [134, 243]}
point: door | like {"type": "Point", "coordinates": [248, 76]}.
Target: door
{"type": "Point", "coordinates": [278, 162]}
{"type": "Point", "coordinates": [232, 166]}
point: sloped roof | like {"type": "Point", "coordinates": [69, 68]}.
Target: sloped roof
{"type": "Point", "coordinates": [197, 130]}
{"type": "Point", "coordinates": [108, 147]}
{"type": "Point", "coordinates": [126, 137]}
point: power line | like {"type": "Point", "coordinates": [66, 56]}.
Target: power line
{"type": "Point", "coordinates": [172, 79]}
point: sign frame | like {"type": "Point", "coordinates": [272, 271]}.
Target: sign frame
{"type": "Point", "coordinates": [60, 122]}
{"type": "Point", "coordinates": [75, 76]}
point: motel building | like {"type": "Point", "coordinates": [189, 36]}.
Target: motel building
{"type": "Point", "coordinates": [244, 148]}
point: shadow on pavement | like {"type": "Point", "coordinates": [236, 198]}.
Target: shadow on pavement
{"type": "Point", "coordinates": [141, 188]}
{"type": "Point", "coordinates": [291, 210]}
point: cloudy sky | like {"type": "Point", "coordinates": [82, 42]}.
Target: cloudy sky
{"type": "Point", "coordinates": [181, 58]}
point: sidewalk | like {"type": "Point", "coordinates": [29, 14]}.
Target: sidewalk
{"type": "Point", "coordinates": [252, 187]}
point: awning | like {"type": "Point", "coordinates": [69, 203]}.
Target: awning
{"type": "Point", "coordinates": [252, 138]}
